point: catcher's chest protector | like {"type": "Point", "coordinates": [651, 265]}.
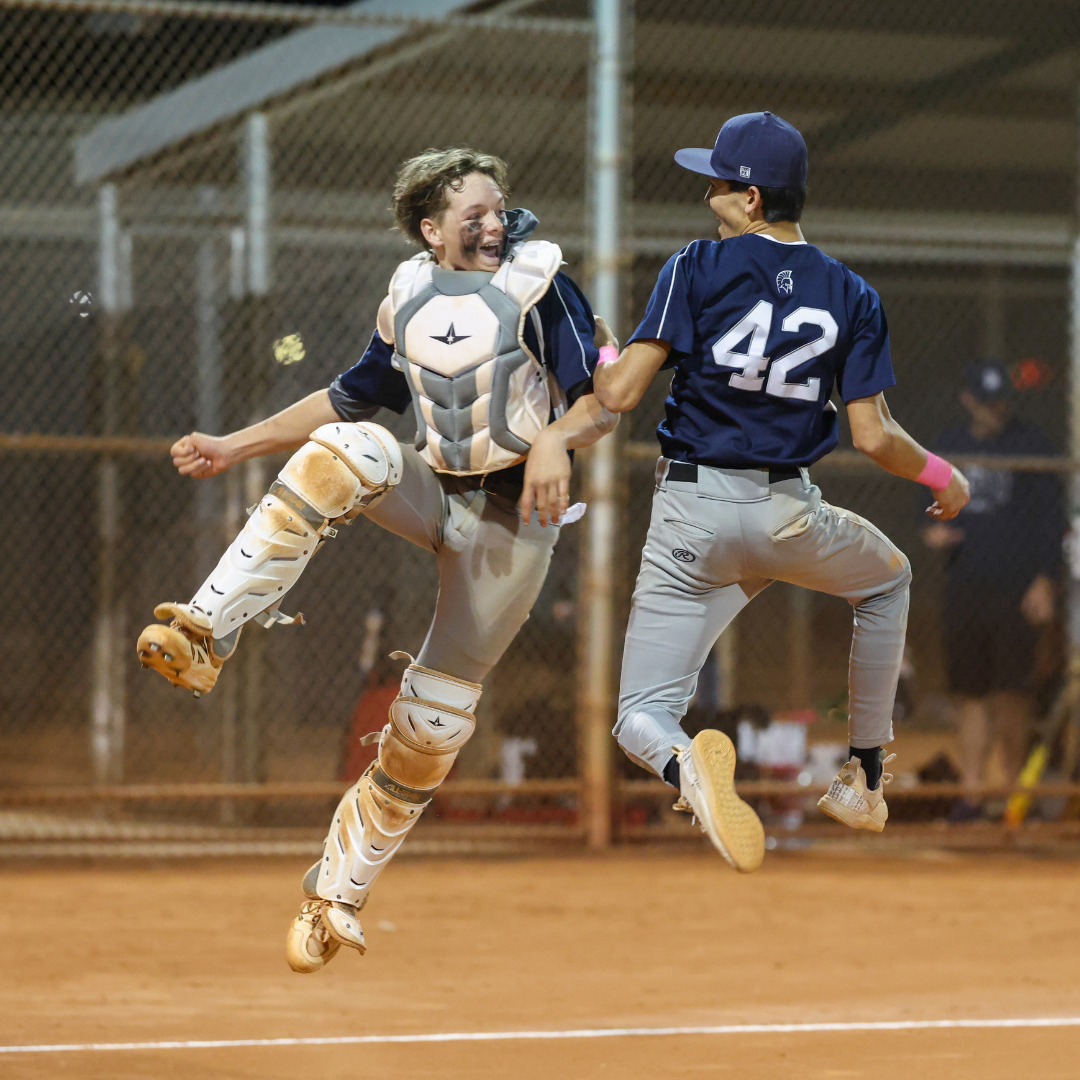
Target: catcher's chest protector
{"type": "Point", "coordinates": [481, 397]}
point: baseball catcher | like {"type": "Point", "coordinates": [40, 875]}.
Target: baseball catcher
{"type": "Point", "coordinates": [492, 345]}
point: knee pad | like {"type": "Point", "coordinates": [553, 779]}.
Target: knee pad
{"type": "Point", "coordinates": [430, 721]}
{"type": "Point", "coordinates": [343, 468]}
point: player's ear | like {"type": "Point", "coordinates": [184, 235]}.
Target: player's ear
{"type": "Point", "coordinates": [432, 233]}
{"type": "Point", "coordinates": [753, 200]}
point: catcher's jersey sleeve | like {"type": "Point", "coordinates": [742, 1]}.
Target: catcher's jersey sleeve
{"type": "Point", "coordinates": [761, 333]}
{"type": "Point", "coordinates": [560, 337]}
{"type": "Point", "coordinates": [370, 384]}
{"type": "Point", "coordinates": [565, 342]}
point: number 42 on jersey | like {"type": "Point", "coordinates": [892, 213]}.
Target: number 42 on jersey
{"type": "Point", "coordinates": [750, 365]}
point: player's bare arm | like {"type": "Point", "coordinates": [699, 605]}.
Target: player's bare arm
{"type": "Point", "coordinates": [547, 468]}
{"type": "Point", "coordinates": [620, 384]}
{"type": "Point", "coordinates": [200, 455]}
{"type": "Point", "coordinates": [876, 434]}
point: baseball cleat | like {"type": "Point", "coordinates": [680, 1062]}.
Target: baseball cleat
{"type": "Point", "coordinates": [317, 933]}
{"type": "Point", "coordinates": [707, 790]}
{"type": "Point", "coordinates": [320, 929]}
{"type": "Point", "coordinates": [183, 651]}
{"type": "Point", "coordinates": [848, 799]}
{"type": "Point", "coordinates": [308, 944]}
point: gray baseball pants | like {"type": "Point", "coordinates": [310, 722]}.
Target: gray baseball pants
{"type": "Point", "coordinates": [712, 547]}
{"type": "Point", "coordinates": [491, 566]}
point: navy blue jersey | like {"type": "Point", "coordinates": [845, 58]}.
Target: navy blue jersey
{"type": "Point", "coordinates": [760, 333]}
{"type": "Point", "coordinates": [564, 345]}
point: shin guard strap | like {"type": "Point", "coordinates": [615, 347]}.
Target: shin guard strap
{"type": "Point", "coordinates": [296, 503]}
{"type": "Point", "coordinates": [417, 796]}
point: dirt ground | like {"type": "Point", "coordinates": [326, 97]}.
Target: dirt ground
{"type": "Point", "coordinates": [182, 951]}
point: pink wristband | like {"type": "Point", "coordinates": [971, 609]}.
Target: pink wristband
{"type": "Point", "coordinates": [607, 354]}
{"type": "Point", "coordinates": [936, 474]}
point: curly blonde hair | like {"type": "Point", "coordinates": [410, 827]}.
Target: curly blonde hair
{"type": "Point", "coordinates": [424, 182]}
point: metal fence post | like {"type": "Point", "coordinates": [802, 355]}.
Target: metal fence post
{"type": "Point", "coordinates": [257, 174]}
{"type": "Point", "coordinates": [107, 697]}
{"type": "Point", "coordinates": [597, 603]}
{"type": "Point", "coordinates": [1073, 621]}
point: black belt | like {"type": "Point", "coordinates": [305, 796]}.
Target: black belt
{"type": "Point", "coordinates": [505, 483]}
{"type": "Point", "coordinates": [682, 472]}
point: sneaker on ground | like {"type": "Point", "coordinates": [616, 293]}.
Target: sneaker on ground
{"type": "Point", "coordinates": [850, 801]}
{"type": "Point", "coordinates": [183, 651]}
{"type": "Point", "coordinates": [707, 790]}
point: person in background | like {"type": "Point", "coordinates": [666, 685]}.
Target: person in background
{"type": "Point", "coordinates": [1004, 553]}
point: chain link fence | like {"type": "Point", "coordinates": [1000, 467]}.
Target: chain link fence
{"type": "Point", "coordinates": [183, 185]}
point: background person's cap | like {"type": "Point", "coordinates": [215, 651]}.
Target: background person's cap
{"type": "Point", "coordinates": [754, 148]}
{"type": "Point", "coordinates": [987, 380]}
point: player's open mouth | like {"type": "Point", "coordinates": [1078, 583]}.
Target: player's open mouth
{"type": "Point", "coordinates": [491, 250]}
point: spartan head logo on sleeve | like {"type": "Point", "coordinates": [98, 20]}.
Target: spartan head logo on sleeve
{"type": "Point", "coordinates": [785, 283]}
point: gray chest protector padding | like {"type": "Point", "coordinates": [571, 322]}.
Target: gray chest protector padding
{"type": "Point", "coordinates": [479, 394]}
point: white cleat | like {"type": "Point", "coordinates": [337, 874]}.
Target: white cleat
{"type": "Point", "coordinates": [707, 790]}
{"type": "Point", "coordinates": [320, 929]}
{"type": "Point", "coordinates": [849, 801]}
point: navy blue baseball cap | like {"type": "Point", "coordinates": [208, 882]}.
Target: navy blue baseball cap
{"type": "Point", "coordinates": [754, 148]}
{"type": "Point", "coordinates": [987, 380]}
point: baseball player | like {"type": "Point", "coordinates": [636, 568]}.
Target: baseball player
{"type": "Point", "coordinates": [493, 347]}
{"type": "Point", "coordinates": [758, 328]}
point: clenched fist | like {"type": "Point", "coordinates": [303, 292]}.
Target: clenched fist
{"type": "Point", "coordinates": [200, 455]}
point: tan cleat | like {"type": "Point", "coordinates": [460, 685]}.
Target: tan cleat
{"type": "Point", "coordinates": [320, 929]}
{"type": "Point", "coordinates": [183, 651]}
{"type": "Point", "coordinates": [308, 944]}
{"type": "Point", "coordinates": [707, 790]}
{"type": "Point", "coordinates": [848, 799]}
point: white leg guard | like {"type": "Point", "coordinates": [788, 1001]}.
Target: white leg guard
{"type": "Point", "coordinates": [343, 467]}
{"type": "Point", "coordinates": [430, 721]}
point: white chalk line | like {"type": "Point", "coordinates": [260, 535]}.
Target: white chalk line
{"type": "Point", "coordinates": [581, 1033]}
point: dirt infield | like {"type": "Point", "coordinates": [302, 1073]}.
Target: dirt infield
{"type": "Point", "coordinates": [194, 952]}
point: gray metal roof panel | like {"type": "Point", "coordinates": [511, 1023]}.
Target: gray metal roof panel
{"type": "Point", "coordinates": [244, 84]}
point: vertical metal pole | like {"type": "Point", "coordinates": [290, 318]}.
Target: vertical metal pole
{"type": "Point", "coordinates": [209, 417]}
{"type": "Point", "coordinates": [256, 169]}
{"type": "Point", "coordinates": [107, 709]}
{"type": "Point", "coordinates": [107, 697]}
{"type": "Point", "coordinates": [1073, 623]}
{"type": "Point", "coordinates": [1074, 344]}
{"type": "Point", "coordinates": [597, 606]}
{"type": "Point", "coordinates": [209, 383]}
{"type": "Point", "coordinates": [259, 247]}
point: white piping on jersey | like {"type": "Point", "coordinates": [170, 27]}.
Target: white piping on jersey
{"type": "Point", "coordinates": [584, 362]}
{"type": "Point", "coordinates": [538, 326]}
{"type": "Point", "coordinates": [784, 243]}
{"type": "Point", "coordinates": [674, 268]}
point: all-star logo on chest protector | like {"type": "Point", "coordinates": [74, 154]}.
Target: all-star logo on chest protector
{"type": "Point", "coordinates": [480, 396]}
{"type": "Point", "coordinates": [449, 338]}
